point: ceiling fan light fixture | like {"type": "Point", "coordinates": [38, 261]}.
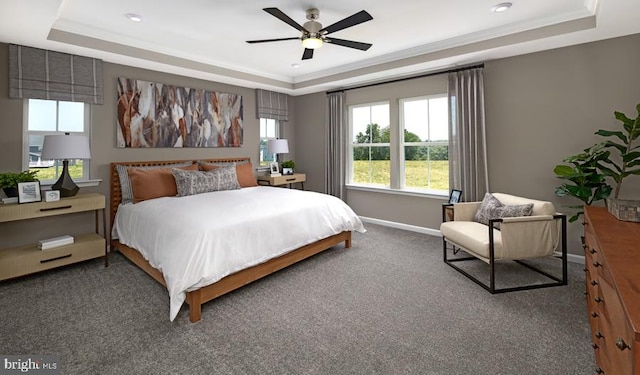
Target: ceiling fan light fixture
{"type": "Point", "coordinates": [134, 17]}
{"type": "Point", "coordinates": [502, 7]}
{"type": "Point", "coordinates": [312, 43]}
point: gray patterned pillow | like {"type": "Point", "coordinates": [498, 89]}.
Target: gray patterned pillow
{"type": "Point", "coordinates": [487, 208]}
{"type": "Point", "coordinates": [198, 182]}
{"type": "Point", "coordinates": [125, 182]}
{"type": "Point", "coordinates": [514, 211]}
{"type": "Point", "coordinates": [492, 208]}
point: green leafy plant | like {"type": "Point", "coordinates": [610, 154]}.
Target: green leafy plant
{"type": "Point", "coordinates": [587, 174]}
{"type": "Point", "coordinates": [288, 164]}
{"type": "Point", "coordinates": [584, 180]}
{"type": "Point", "coordinates": [627, 162]}
{"type": "Point", "coordinates": [11, 179]}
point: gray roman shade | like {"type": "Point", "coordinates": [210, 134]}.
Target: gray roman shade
{"type": "Point", "coordinates": [41, 74]}
{"type": "Point", "coordinates": [273, 105]}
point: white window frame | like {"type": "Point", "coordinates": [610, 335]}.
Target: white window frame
{"type": "Point", "coordinates": [25, 146]}
{"type": "Point", "coordinates": [351, 146]}
{"type": "Point", "coordinates": [396, 151]}
{"type": "Point", "coordinates": [277, 125]}
{"type": "Point", "coordinates": [402, 144]}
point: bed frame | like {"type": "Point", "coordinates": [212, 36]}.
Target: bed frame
{"type": "Point", "coordinates": [196, 298]}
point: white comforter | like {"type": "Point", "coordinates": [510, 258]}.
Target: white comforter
{"type": "Point", "coordinates": [197, 240]}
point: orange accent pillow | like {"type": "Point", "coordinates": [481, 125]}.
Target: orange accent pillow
{"type": "Point", "coordinates": [209, 167]}
{"type": "Point", "coordinates": [154, 183]}
{"type": "Point", "coordinates": [246, 178]}
{"type": "Point", "coordinates": [244, 171]}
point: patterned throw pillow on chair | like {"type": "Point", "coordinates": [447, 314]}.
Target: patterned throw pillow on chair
{"type": "Point", "coordinates": [492, 208]}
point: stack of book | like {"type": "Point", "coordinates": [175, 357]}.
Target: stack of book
{"type": "Point", "coordinates": [51, 243]}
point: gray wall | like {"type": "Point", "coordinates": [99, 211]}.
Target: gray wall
{"type": "Point", "coordinates": [540, 108]}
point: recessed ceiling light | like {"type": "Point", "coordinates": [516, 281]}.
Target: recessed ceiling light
{"type": "Point", "coordinates": [501, 7]}
{"type": "Point", "coordinates": [295, 65]}
{"type": "Point", "coordinates": [134, 17]}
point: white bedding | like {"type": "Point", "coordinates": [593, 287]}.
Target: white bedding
{"type": "Point", "coordinates": [197, 240]}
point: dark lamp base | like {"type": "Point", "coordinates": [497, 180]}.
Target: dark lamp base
{"type": "Point", "coordinates": [65, 184]}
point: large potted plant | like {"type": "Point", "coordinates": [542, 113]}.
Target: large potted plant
{"type": "Point", "coordinates": [9, 181]}
{"type": "Point", "coordinates": [625, 162]}
{"type": "Point", "coordinates": [583, 179]}
{"type": "Point", "coordinates": [617, 158]}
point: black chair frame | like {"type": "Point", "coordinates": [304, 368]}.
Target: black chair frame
{"type": "Point", "coordinates": [491, 287]}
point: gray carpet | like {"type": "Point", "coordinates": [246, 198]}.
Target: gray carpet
{"type": "Point", "coordinates": [388, 305]}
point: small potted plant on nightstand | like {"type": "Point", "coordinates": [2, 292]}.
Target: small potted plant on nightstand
{"type": "Point", "coordinates": [9, 181]}
{"type": "Point", "coordinates": [287, 167]}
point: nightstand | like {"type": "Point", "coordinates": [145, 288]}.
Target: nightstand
{"type": "Point", "coordinates": [24, 260]}
{"type": "Point", "coordinates": [283, 180]}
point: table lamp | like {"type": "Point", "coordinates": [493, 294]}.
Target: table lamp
{"type": "Point", "coordinates": [277, 147]}
{"type": "Point", "coordinates": [65, 147]}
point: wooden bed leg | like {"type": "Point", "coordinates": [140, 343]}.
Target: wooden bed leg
{"type": "Point", "coordinates": [195, 306]}
{"type": "Point", "coordinates": [347, 243]}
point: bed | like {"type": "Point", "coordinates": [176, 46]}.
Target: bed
{"type": "Point", "coordinates": [202, 246]}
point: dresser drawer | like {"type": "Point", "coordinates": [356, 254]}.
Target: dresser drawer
{"type": "Point", "coordinates": [617, 334]}
{"type": "Point", "coordinates": [29, 259]}
{"type": "Point", "coordinates": [281, 180]}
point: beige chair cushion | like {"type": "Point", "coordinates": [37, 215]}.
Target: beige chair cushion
{"type": "Point", "coordinates": [473, 237]}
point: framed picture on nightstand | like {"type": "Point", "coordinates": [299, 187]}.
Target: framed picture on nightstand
{"type": "Point", "coordinates": [29, 192]}
{"type": "Point", "coordinates": [273, 166]}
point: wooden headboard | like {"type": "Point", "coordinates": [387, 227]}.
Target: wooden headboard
{"type": "Point", "coordinates": [116, 194]}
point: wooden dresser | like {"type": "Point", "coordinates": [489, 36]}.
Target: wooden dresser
{"type": "Point", "coordinates": [612, 257]}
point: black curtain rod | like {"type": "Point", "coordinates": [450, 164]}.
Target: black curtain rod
{"type": "Point", "coordinates": [412, 77]}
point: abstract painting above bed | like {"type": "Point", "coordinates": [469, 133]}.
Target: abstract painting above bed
{"type": "Point", "coordinates": [153, 114]}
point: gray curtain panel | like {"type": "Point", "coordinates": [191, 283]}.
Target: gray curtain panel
{"type": "Point", "coordinates": [335, 147]}
{"type": "Point", "coordinates": [41, 74]}
{"type": "Point", "coordinates": [272, 105]}
{"type": "Point", "coordinates": [468, 169]}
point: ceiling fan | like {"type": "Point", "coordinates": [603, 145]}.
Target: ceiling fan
{"type": "Point", "coordinates": [314, 35]}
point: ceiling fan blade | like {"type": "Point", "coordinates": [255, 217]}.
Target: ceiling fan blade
{"type": "Point", "coordinates": [308, 54]}
{"type": "Point", "coordinates": [271, 40]}
{"type": "Point", "coordinates": [284, 18]}
{"type": "Point", "coordinates": [358, 18]}
{"type": "Point", "coordinates": [350, 43]}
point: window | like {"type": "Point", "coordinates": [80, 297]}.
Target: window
{"type": "Point", "coordinates": [425, 143]}
{"type": "Point", "coordinates": [370, 144]}
{"type": "Point", "coordinates": [416, 159]}
{"type": "Point", "coordinates": [269, 129]}
{"type": "Point", "coordinates": [44, 117]}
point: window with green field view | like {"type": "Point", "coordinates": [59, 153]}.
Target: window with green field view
{"type": "Point", "coordinates": [46, 117]}
{"type": "Point", "coordinates": [269, 129]}
{"type": "Point", "coordinates": [425, 144]}
{"type": "Point", "coordinates": [420, 155]}
{"type": "Point", "coordinates": [370, 147]}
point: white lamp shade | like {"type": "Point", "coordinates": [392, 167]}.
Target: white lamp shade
{"type": "Point", "coordinates": [278, 146]}
{"type": "Point", "coordinates": [61, 147]}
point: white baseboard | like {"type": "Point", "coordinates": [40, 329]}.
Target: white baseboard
{"type": "Point", "coordinates": [573, 258]}
{"type": "Point", "coordinates": [393, 224]}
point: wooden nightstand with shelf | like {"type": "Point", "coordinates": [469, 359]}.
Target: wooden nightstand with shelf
{"type": "Point", "coordinates": [283, 180]}
{"type": "Point", "coordinates": [24, 260]}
